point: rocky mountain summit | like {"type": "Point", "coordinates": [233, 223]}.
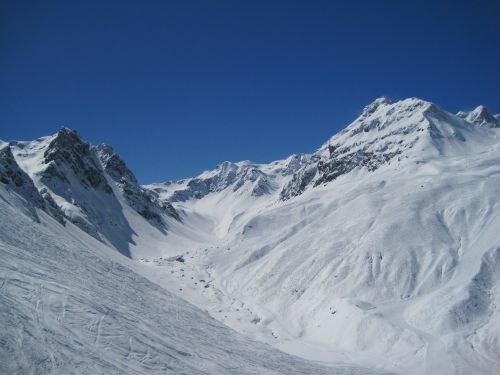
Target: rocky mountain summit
{"type": "Point", "coordinates": [227, 175]}
{"type": "Point", "coordinates": [481, 116]}
{"type": "Point", "coordinates": [68, 156]}
{"type": "Point", "coordinates": [85, 185]}
{"type": "Point", "coordinates": [385, 132]}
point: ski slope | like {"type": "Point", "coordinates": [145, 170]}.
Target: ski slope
{"type": "Point", "coordinates": [71, 305]}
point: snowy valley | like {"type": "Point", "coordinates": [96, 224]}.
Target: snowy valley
{"type": "Point", "coordinates": [377, 253]}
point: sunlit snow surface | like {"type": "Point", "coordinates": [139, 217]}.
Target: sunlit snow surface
{"type": "Point", "coordinates": [396, 268]}
{"type": "Point", "coordinates": [380, 250]}
{"type": "Point", "coordinates": [70, 305]}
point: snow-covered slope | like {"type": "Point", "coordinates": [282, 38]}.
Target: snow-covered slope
{"type": "Point", "coordinates": [380, 249]}
{"type": "Point", "coordinates": [71, 305]}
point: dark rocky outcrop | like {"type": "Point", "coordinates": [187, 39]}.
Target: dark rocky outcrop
{"type": "Point", "coordinates": [12, 176]}
{"type": "Point", "coordinates": [139, 198]}
{"type": "Point", "coordinates": [226, 175]}
{"type": "Point", "coordinates": [67, 152]}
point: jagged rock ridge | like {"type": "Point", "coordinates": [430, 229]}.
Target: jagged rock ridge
{"type": "Point", "coordinates": [75, 181]}
{"type": "Point", "coordinates": [139, 198]}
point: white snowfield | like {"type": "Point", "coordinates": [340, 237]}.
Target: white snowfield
{"type": "Point", "coordinates": [71, 305]}
{"type": "Point", "coordinates": [379, 251]}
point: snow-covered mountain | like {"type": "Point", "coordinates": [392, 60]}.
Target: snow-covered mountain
{"type": "Point", "coordinates": [90, 186]}
{"type": "Point", "coordinates": [480, 116]}
{"type": "Point", "coordinates": [378, 250]}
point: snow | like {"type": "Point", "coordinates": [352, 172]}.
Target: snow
{"type": "Point", "coordinates": [70, 304]}
{"type": "Point", "coordinates": [379, 250]}
{"type": "Point", "coordinates": [480, 116]}
{"type": "Point", "coordinates": [408, 240]}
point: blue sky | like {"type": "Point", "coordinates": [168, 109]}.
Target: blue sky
{"type": "Point", "coordinates": [179, 86]}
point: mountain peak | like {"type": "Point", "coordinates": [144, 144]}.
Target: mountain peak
{"type": "Point", "coordinates": [384, 115]}
{"type": "Point", "coordinates": [68, 135]}
{"type": "Point", "coordinates": [373, 106]}
{"type": "Point", "coordinates": [65, 130]}
{"type": "Point", "coordinates": [481, 112]}
{"type": "Point", "coordinates": [480, 116]}
{"type": "Point", "coordinates": [386, 131]}
{"type": "Point", "coordinates": [383, 105]}
{"type": "Point", "coordinates": [69, 140]}
{"type": "Point", "coordinates": [68, 150]}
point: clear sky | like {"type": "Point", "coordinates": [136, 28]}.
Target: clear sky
{"type": "Point", "coordinates": [180, 86]}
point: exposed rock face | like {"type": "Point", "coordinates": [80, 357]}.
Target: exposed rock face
{"type": "Point", "coordinates": [299, 182]}
{"type": "Point", "coordinates": [18, 180]}
{"type": "Point", "coordinates": [68, 152]}
{"type": "Point", "coordinates": [71, 172]}
{"type": "Point", "coordinates": [51, 206]}
{"type": "Point", "coordinates": [10, 173]}
{"type": "Point", "coordinates": [385, 131]}
{"type": "Point", "coordinates": [76, 181]}
{"type": "Point", "coordinates": [226, 176]}
{"type": "Point", "coordinates": [381, 134]}
{"type": "Point", "coordinates": [341, 162]}
{"type": "Point", "coordinates": [140, 199]}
